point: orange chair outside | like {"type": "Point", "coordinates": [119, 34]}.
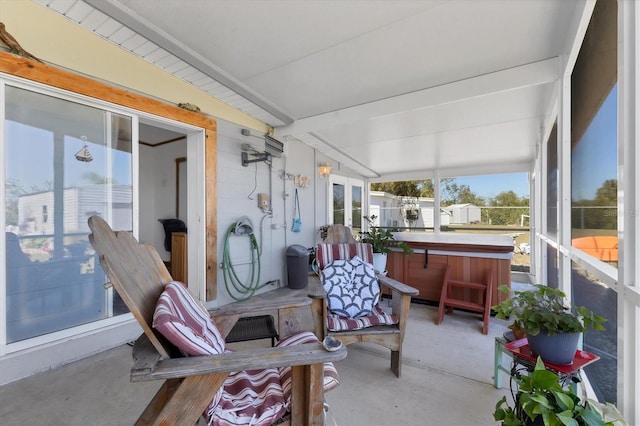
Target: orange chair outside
{"type": "Point", "coordinates": [602, 247]}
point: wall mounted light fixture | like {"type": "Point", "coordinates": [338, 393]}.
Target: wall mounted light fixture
{"type": "Point", "coordinates": [324, 170]}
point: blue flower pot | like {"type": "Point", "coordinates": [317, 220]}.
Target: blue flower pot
{"type": "Point", "coordinates": [557, 348]}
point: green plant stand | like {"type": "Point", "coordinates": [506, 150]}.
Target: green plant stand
{"type": "Point", "coordinates": [499, 351]}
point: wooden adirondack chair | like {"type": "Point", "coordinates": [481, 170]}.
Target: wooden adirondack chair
{"type": "Point", "coordinates": [344, 246]}
{"type": "Point", "coordinates": [139, 275]}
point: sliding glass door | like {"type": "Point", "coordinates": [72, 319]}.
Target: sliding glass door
{"type": "Point", "coordinates": [63, 161]}
{"type": "Point", "coordinates": [347, 196]}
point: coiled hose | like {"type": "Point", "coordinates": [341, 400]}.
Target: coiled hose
{"type": "Point", "coordinates": [237, 289]}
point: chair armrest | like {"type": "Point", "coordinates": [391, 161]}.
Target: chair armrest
{"type": "Point", "coordinates": [275, 299]}
{"type": "Point", "coordinates": [316, 291]}
{"type": "Point", "coordinates": [401, 288]}
{"type": "Point", "coordinates": [149, 366]}
{"type": "Point", "coordinates": [314, 288]}
{"type": "Point", "coordinates": [400, 300]}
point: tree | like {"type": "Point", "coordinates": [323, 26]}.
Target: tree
{"type": "Point", "coordinates": [47, 186]}
{"type": "Point", "coordinates": [13, 190]}
{"type": "Point", "coordinates": [607, 194]}
{"type": "Point", "coordinates": [409, 188]}
{"type": "Point", "coordinates": [426, 188]}
{"type": "Point", "coordinates": [599, 213]}
{"type": "Point", "coordinates": [452, 193]}
{"type": "Point", "coordinates": [98, 179]}
{"type": "Point", "coordinates": [512, 208]}
{"type": "Point", "coordinates": [466, 196]}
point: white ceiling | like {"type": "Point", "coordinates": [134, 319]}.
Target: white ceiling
{"type": "Point", "coordinates": [393, 89]}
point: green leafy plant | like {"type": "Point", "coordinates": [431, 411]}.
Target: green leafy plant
{"type": "Point", "coordinates": [540, 397]}
{"type": "Point", "coordinates": [544, 308]}
{"type": "Point", "coordinates": [381, 240]}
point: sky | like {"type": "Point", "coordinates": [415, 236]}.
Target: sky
{"type": "Point", "coordinates": [30, 159]}
{"type": "Point", "coordinates": [595, 158]}
{"type": "Point", "coordinates": [489, 186]}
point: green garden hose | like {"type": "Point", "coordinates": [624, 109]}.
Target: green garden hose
{"type": "Point", "coordinates": [237, 289]}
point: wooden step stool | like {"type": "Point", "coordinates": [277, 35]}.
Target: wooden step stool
{"type": "Point", "coordinates": [449, 299]}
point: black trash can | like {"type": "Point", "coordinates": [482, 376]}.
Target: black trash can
{"type": "Point", "coordinates": [297, 266]}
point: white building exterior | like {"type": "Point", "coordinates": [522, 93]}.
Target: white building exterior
{"type": "Point", "coordinates": [395, 211]}
{"type": "Point", "coordinates": [36, 211]}
{"type": "Point", "coordinates": [463, 214]}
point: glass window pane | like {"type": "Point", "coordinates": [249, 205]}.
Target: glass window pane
{"type": "Point", "coordinates": [553, 270]}
{"type": "Point", "coordinates": [338, 204]}
{"type": "Point", "coordinates": [64, 162]}
{"type": "Point", "coordinates": [405, 205]}
{"type": "Point", "coordinates": [594, 186]}
{"type": "Point", "coordinates": [595, 295]}
{"type": "Point", "coordinates": [552, 182]}
{"type": "Point", "coordinates": [490, 204]}
{"type": "Point", "coordinates": [356, 209]}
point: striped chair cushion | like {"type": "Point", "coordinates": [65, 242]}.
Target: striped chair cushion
{"type": "Point", "coordinates": [238, 405]}
{"type": "Point", "coordinates": [327, 253]}
{"type": "Point", "coordinates": [378, 317]}
{"type": "Point", "coordinates": [331, 377]}
{"type": "Point", "coordinates": [252, 397]}
{"type": "Point", "coordinates": [184, 322]}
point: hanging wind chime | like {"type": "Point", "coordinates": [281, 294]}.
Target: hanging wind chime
{"type": "Point", "coordinates": [84, 155]}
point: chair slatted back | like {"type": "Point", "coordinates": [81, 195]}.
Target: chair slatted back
{"type": "Point", "coordinates": [327, 253]}
{"type": "Point", "coordinates": [337, 234]}
{"type": "Point", "coordinates": [135, 270]}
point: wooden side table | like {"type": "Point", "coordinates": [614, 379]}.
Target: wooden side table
{"type": "Point", "coordinates": [291, 307]}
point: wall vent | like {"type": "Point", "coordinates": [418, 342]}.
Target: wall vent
{"type": "Point", "coordinates": [273, 146]}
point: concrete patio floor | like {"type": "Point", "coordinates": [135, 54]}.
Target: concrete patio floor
{"type": "Point", "coordinates": [447, 379]}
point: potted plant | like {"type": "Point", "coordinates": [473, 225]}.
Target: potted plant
{"type": "Point", "coordinates": [552, 329]}
{"type": "Point", "coordinates": [541, 400]}
{"type": "Point", "coordinates": [382, 241]}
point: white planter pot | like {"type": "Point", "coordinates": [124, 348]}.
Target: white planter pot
{"type": "Point", "coordinates": [380, 262]}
